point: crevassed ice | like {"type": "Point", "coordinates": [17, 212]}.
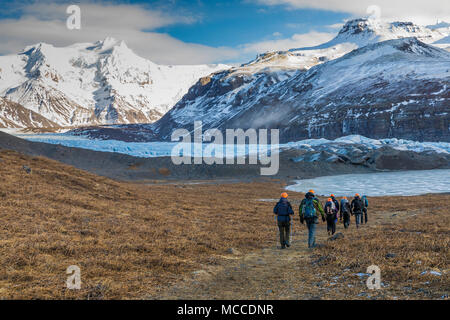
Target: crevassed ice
{"type": "Point", "coordinates": [400, 183]}
{"type": "Point", "coordinates": [160, 149]}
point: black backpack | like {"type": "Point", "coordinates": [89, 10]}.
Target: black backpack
{"type": "Point", "coordinates": [357, 205]}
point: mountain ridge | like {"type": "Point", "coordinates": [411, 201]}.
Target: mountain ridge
{"type": "Point", "coordinates": [94, 83]}
{"type": "Point", "coordinates": [247, 95]}
{"type": "Point", "coordinates": [395, 88]}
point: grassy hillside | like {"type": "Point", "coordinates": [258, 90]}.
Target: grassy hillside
{"type": "Point", "coordinates": [138, 241]}
{"type": "Point", "coordinates": [127, 239]}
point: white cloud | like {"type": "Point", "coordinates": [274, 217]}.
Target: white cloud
{"type": "Point", "coordinates": [418, 11]}
{"type": "Point", "coordinates": [137, 25]}
{"type": "Point", "coordinates": [336, 26]}
{"type": "Point", "coordinates": [296, 41]}
{"type": "Point", "coordinates": [131, 23]}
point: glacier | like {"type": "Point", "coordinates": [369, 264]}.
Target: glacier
{"type": "Point", "coordinates": [399, 183]}
{"type": "Point", "coordinates": [164, 149]}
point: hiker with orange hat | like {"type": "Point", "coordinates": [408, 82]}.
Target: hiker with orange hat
{"type": "Point", "coordinates": [344, 212]}
{"type": "Point", "coordinates": [331, 214]}
{"type": "Point", "coordinates": [309, 210]}
{"type": "Point", "coordinates": [336, 203]}
{"type": "Point", "coordinates": [357, 209]}
{"type": "Point", "coordinates": [283, 211]}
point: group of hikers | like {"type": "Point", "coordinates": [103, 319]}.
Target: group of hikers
{"type": "Point", "coordinates": [309, 211]}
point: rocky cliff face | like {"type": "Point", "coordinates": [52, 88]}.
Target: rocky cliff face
{"type": "Point", "coordinates": [13, 115]}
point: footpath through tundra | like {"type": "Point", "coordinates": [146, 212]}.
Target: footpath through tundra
{"type": "Point", "coordinates": [401, 243]}
{"type": "Point", "coordinates": [136, 241]}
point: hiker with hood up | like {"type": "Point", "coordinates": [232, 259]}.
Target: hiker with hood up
{"type": "Point", "coordinates": [283, 210]}
{"type": "Point", "coordinates": [366, 204]}
{"type": "Point", "coordinates": [357, 209]}
{"type": "Point", "coordinates": [331, 214]}
{"type": "Point", "coordinates": [344, 212]}
{"type": "Point", "coordinates": [309, 211]}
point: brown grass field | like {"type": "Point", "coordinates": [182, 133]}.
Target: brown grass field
{"type": "Point", "coordinates": [168, 241]}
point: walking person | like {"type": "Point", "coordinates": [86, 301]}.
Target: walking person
{"type": "Point", "coordinates": [283, 211]}
{"type": "Point", "coordinates": [344, 212]}
{"type": "Point", "coordinates": [336, 203]}
{"type": "Point", "coordinates": [366, 204]}
{"type": "Point", "coordinates": [309, 210]}
{"type": "Point", "coordinates": [331, 216]}
{"type": "Point", "coordinates": [357, 209]}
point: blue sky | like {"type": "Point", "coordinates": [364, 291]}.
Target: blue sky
{"type": "Point", "coordinates": [198, 31]}
{"type": "Point", "coordinates": [235, 22]}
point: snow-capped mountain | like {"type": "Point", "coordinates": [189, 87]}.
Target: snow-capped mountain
{"type": "Point", "coordinates": [366, 31]}
{"type": "Point", "coordinates": [354, 34]}
{"type": "Point", "coordinates": [220, 95]}
{"type": "Point", "coordinates": [100, 83]}
{"type": "Point", "coordinates": [391, 86]}
{"type": "Point", "coordinates": [395, 88]}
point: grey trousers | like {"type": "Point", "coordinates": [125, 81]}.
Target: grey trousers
{"type": "Point", "coordinates": [285, 228]}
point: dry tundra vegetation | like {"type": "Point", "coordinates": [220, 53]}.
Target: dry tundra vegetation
{"type": "Point", "coordinates": [135, 241]}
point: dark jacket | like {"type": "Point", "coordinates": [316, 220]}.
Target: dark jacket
{"type": "Point", "coordinates": [357, 205]}
{"type": "Point", "coordinates": [283, 210]}
{"type": "Point", "coordinates": [345, 208]}
{"type": "Point", "coordinates": [317, 205]}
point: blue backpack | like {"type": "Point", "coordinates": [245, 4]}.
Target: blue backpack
{"type": "Point", "coordinates": [365, 201]}
{"type": "Point", "coordinates": [308, 210]}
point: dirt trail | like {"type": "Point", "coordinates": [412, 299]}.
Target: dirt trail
{"type": "Point", "coordinates": [271, 273]}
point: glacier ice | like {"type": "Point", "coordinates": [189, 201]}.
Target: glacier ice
{"type": "Point", "coordinates": [398, 183]}
{"type": "Point", "coordinates": [161, 149]}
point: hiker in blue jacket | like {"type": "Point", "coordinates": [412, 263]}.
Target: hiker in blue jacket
{"type": "Point", "coordinates": [283, 210]}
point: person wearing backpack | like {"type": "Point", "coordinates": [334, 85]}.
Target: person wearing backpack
{"type": "Point", "coordinates": [357, 209]}
{"type": "Point", "coordinates": [309, 210]}
{"type": "Point", "coordinates": [336, 203]}
{"type": "Point", "coordinates": [331, 214]}
{"type": "Point", "coordinates": [345, 212]}
{"type": "Point", "coordinates": [366, 204]}
{"type": "Point", "coordinates": [283, 210]}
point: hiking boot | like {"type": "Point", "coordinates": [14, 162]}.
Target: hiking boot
{"type": "Point", "coordinates": [287, 244]}
{"type": "Point", "coordinates": [283, 247]}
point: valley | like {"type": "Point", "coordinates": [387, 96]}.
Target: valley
{"type": "Point", "coordinates": [87, 177]}
{"type": "Point", "coordinates": [207, 241]}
